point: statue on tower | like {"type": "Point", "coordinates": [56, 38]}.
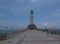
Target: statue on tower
{"type": "Point", "coordinates": [31, 12]}
{"type": "Point", "coordinates": [31, 25]}
{"type": "Point", "coordinates": [31, 17]}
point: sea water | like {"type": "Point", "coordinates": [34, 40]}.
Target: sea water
{"type": "Point", "coordinates": [7, 31]}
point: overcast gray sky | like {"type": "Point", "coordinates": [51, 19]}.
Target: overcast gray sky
{"type": "Point", "coordinates": [16, 12]}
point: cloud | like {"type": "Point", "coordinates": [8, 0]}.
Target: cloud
{"type": "Point", "coordinates": [2, 21]}
{"type": "Point", "coordinates": [45, 24]}
{"type": "Point", "coordinates": [17, 1]}
{"type": "Point", "coordinates": [33, 0]}
{"type": "Point", "coordinates": [56, 13]}
{"type": "Point", "coordinates": [1, 15]}
{"type": "Point", "coordinates": [48, 24]}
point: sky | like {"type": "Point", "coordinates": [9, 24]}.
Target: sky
{"type": "Point", "coordinates": [17, 13]}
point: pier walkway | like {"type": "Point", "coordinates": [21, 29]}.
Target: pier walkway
{"type": "Point", "coordinates": [33, 37]}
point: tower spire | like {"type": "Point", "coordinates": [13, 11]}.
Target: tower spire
{"type": "Point", "coordinates": [31, 17]}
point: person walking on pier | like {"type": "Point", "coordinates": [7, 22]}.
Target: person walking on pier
{"type": "Point", "coordinates": [47, 31]}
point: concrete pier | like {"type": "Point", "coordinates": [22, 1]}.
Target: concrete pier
{"type": "Point", "coordinates": [33, 37]}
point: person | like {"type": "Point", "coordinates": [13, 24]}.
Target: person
{"type": "Point", "coordinates": [51, 31]}
{"type": "Point", "coordinates": [47, 31]}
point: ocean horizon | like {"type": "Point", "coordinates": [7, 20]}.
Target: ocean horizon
{"type": "Point", "coordinates": [9, 30]}
{"type": "Point", "coordinates": [5, 31]}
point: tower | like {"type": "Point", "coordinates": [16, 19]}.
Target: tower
{"type": "Point", "coordinates": [31, 17]}
{"type": "Point", "coordinates": [31, 26]}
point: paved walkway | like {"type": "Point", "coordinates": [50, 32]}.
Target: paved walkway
{"type": "Point", "coordinates": [33, 37]}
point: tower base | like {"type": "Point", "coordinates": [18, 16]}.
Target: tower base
{"type": "Point", "coordinates": [31, 27]}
